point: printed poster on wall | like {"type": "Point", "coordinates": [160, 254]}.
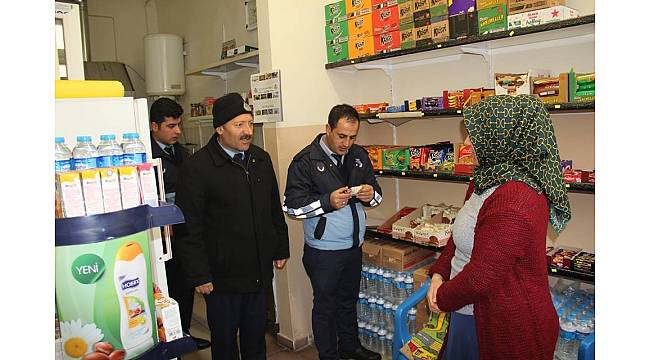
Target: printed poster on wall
{"type": "Point", "coordinates": [267, 97]}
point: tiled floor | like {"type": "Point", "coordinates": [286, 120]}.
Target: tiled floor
{"type": "Point", "coordinates": [273, 350]}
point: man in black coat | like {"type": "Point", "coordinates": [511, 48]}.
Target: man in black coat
{"type": "Point", "coordinates": [165, 123]}
{"type": "Point", "coordinates": [234, 231]}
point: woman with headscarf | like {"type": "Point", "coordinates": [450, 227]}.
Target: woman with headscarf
{"type": "Point", "coordinates": [492, 277]}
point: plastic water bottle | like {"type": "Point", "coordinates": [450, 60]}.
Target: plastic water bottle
{"type": "Point", "coordinates": [380, 282]}
{"type": "Point", "coordinates": [134, 151]}
{"type": "Point", "coordinates": [372, 309]}
{"type": "Point", "coordinates": [84, 154]}
{"type": "Point", "coordinates": [408, 286]}
{"type": "Point", "coordinates": [364, 279]}
{"type": "Point", "coordinates": [110, 152]}
{"type": "Point", "coordinates": [566, 349]}
{"type": "Point", "coordinates": [381, 342]}
{"type": "Point", "coordinates": [388, 285]}
{"type": "Point", "coordinates": [360, 305]}
{"type": "Point", "coordinates": [389, 346]}
{"type": "Point", "coordinates": [393, 312]}
{"type": "Point", "coordinates": [411, 321]}
{"type": "Point", "coordinates": [582, 329]}
{"type": "Point", "coordinates": [388, 315]}
{"type": "Point", "coordinates": [374, 343]}
{"type": "Point", "coordinates": [399, 288]}
{"type": "Point", "coordinates": [62, 156]}
{"type": "Point", "coordinates": [362, 333]}
{"type": "Point", "coordinates": [381, 321]}
{"type": "Point", "coordinates": [372, 281]}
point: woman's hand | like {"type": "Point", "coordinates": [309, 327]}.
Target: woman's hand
{"type": "Point", "coordinates": [436, 282]}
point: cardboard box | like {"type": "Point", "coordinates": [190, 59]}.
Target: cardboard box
{"type": "Point", "coordinates": [463, 25]}
{"type": "Point", "coordinates": [371, 251]}
{"type": "Point", "coordinates": [402, 257]}
{"type": "Point", "coordinates": [168, 318]}
{"type": "Point", "coordinates": [92, 189]}
{"type": "Point", "coordinates": [148, 189]}
{"type": "Point", "coordinates": [407, 36]}
{"type": "Point", "coordinates": [521, 6]}
{"type": "Point", "coordinates": [419, 5]}
{"type": "Point", "coordinates": [405, 12]}
{"type": "Point", "coordinates": [361, 47]}
{"type": "Point", "coordinates": [337, 52]}
{"type": "Point", "coordinates": [422, 33]}
{"type": "Point", "coordinates": [423, 15]}
{"type": "Point", "coordinates": [551, 90]}
{"type": "Point", "coordinates": [337, 33]}
{"type": "Point", "coordinates": [385, 20]}
{"type": "Point", "coordinates": [129, 186]}
{"type": "Point", "coordinates": [355, 8]}
{"type": "Point", "coordinates": [404, 228]}
{"type": "Point", "coordinates": [360, 27]}
{"type": "Point", "coordinates": [486, 4]}
{"type": "Point", "coordinates": [68, 184]}
{"type": "Point", "coordinates": [541, 17]}
{"type": "Point", "coordinates": [387, 226]}
{"type": "Point", "coordinates": [439, 8]}
{"type": "Point", "coordinates": [457, 7]}
{"type": "Point", "coordinates": [440, 31]}
{"type": "Point", "coordinates": [582, 87]}
{"type": "Point", "coordinates": [111, 189]}
{"type": "Point", "coordinates": [387, 42]}
{"type": "Point", "coordinates": [492, 19]}
{"type": "Point", "coordinates": [335, 12]}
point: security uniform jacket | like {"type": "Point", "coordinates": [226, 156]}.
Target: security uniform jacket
{"type": "Point", "coordinates": [234, 226]}
{"type": "Point", "coordinates": [311, 178]}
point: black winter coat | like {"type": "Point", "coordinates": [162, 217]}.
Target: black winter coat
{"type": "Point", "coordinates": [171, 165]}
{"type": "Point", "coordinates": [234, 225]}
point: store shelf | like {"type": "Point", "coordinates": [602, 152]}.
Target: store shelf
{"type": "Point", "coordinates": [567, 32]}
{"type": "Point", "coordinates": [221, 68]}
{"type": "Point", "coordinates": [424, 175]}
{"type": "Point", "coordinates": [101, 227]}
{"type": "Point", "coordinates": [571, 274]}
{"type": "Point", "coordinates": [200, 118]}
{"type": "Point", "coordinates": [170, 350]}
{"type": "Point", "coordinates": [400, 117]}
{"type": "Point", "coordinates": [374, 234]}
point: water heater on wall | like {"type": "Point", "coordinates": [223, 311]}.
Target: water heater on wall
{"type": "Point", "coordinates": [164, 65]}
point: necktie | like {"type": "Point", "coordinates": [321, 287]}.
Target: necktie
{"type": "Point", "coordinates": [239, 158]}
{"type": "Point", "coordinates": [339, 160]}
{"type": "Point", "coordinates": [169, 149]}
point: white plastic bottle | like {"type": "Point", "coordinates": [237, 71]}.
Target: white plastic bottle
{"type": "Point", "coordinates": [408, 286]}
{"type": "Point", "coordinates": [566, 346]}
{"type": "Point", "coordinates": [134, 151]}
{"type": "Point", "coordinates": [381, 320]}
{"type": "Point", "coordinates": [131, 281]}
{"type": "Point", "coordinates": [389, 346]}
{"type": "Point", "coordinates": [388, 315]}
{"type": "Point", "coordinates": [364, 279]}
{"type": "Point", "coordinates": [381, 342]}
{"type": "Point", "coordinates": [399, 288]}
{"type": "Point", "coordinates": [411, 321]}
{"type": "Point", "coordinates": [84, 154]}
{"type": "Point", "coordinates": [62, 156]}
{"type": "Point", "coordinates": [372, 281]}
{"type": "Point", "coordinates": [374, 343]}
{"type": "Point", "coordinates": [361, 306]}
{"type": "Point", "coordinates": [110, 152]}
{"type": "Point", "coordinates": [388, 285]}
{"type": "Point", "coordinates": [372, 304]}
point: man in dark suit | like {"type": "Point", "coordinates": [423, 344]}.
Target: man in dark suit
{"type": "Point", "coordinates": [165, 124]}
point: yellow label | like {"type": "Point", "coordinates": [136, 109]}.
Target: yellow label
{"type": "Point", "coordinates": [360, 26]}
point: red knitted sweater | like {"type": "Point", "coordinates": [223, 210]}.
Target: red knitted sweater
{"type": "Point", "coordinates": [506, 278]}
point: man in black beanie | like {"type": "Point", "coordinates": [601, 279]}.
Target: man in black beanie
{"type": "Point", "coordinates": [234, 231]}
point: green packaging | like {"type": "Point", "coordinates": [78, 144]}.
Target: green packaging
{"type": "Point", "coordinates": [492, 19]}
{"type": "Point", "coordinates": [337, 32]}
{"type": "Point", "coordinates": [335, 12]}
{"type": "Point", "coordinates": [407, 36]}
{"type": "Point", "coordinates": [439, 8]}
{"type": "Point", "coordinates": [396, 158]}
{"type": "Point", "coordinates": [104, 295]}
{"type": "Point", "coordinates": [337, 52]}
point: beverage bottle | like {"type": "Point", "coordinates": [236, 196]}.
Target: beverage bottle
{"type": "Point", "coordinates": [388, 285]}
{"type": "Point", "coordinates": [411, 321]}
{"type": "Point", "coordinates": [380, 282]}
{"type": "Point", "coordinates": [389, 346]}
{"type": "Point", "coordinates": [110, 152]}
{"type": "Point", "coordinates": [372, 304]}
{"type": "Point", "coordinates": [381, 342]}
{"type": "Point", "coordinates": [408, 286]}
{"type": "Point", "coordinates": [399, 288]}
{"type": "Point", "coordinates": [380, 312]}
{"type": "Point", "coordinates": [364, 279]}
{"type": "Point", "coordinates": [62, 156]}
{"type": "Point", "coordinates": [566, 343]}
{"type": "Point", "coordinates": [388, 315]}
{"type": "Point", "coordinates": [393, 312]}
{"type": "Point", "coordinates": [84, 154]}
{"type": "Point", "coordinates": [362, 297]}
{"type": "Point", "coordinates": [134, 151]}
{"type": "Point", "coordinates": [362, 333]}
{"type": "Point", "coordinates": [374, 343]}
{"type": "Point", "coordinates": [372, 281]}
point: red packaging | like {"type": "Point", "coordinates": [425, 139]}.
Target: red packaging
{"type": "Point", "coordinates": [387, 42]}
{"type": "Point", "coordinates": [572, 176]}
{"type": "Point", "coordinates": [361, 109]}
{"type": "Point", "coordinates": [588, 176]}
{"type": "Point", "coordinates": [376, 107]}
{"type": "Point", "coordinates": [415, 162]}
{"type": "Point", "coordinates": [562, 257]}
{"type": "Point", "coordinates": [385, 20]}
{"type": "Point", "coordinates": [452, 100]}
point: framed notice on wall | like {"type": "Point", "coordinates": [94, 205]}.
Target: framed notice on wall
{"type": "Point", "coordinates": [267, 97]}
{"type": "Point", "coordinates": [251, 14]}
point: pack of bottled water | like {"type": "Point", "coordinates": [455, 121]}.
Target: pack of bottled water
{"type": "Point", "coordinates": [108, 153]}
{"type": "Point", "coordinates": [576, 310]}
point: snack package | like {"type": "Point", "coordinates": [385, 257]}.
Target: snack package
{"type": "Point", "coordinates": [585, 262]}
{"type": "Point", "coordinates": [427, 343]}
{"type": "Point", "coordinates": [395, 158]}
{"type": "Point", "coordinates": [415, 162]}
{"type": "Point", "coordinates": [563, 257]}
{"type": "Point", "coordinates": [432, 103]}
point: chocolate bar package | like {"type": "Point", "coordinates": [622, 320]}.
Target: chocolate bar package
{"type": "Point", "coordinates": [432, 103]}
{"type": "Point", "coordinates": [360, 27]}
{"type": "Point", "coordinates": [421, 15]}
{"type": "Point", "coordinates": [563, 257]}
{"type": "Point", "coordinates": [387, 42]}
{"type": "Point", "coordinates": [439, 8]}
{"type": "Point", "coordinates": [407, 36]}
{"type": "Point", "coordinates": [406, 12]}
{"type": "Point", "coordinates": [492, 19]}
{"type": "Point", "coordinates": [463, 25]}
{"type": "Point", "coordinates": [585, 262]}
{"type": "Point", "coordinates": [422, 33]}
{"type": "Point", "coordinates": [335, 12]}
{"type": "Point", "coordinates": [336, 33]}
{"type": "Point", "coordinates": [486, 4]}
{"type": "Point", "coordinates": [419, 5]}
{"type": "Point", "coordinates": [337, 52]}
{"type": "Point", "coordinates": [566, 165]}
{"type": "Point", "coordinates": [461, 7]}
{"type": "Point", "coordinates": [440, 31]}
{"type": "Point", "coordinates": [385, 20]}
{"type": "Point", "coordinates": [551, 90]}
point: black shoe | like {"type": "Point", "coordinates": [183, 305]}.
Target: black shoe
{"type": "Point", "coordinates": [201, 343]}
{"type": "Point", "coordinates": [360, 353]}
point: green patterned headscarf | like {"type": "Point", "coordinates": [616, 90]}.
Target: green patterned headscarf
{"type": "Point", "coordinates": [514, 140]}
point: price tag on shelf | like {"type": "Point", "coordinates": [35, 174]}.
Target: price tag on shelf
{"type": "Point", "coordinates": [471, 178]}
{"type": "Point", "coordinates": [557, 106]}
{"type": "Point", "coordinates": [553, 270]}
{"type": "Point", "coordinates": [435, 175]}
{"type": "Point", "coordinates": [567, 186]}
{"type": "Point", "coordinates": [439, 46]}
{"type": "Point", "coordinates": [381, 172]}
{"type": "Point", "coordinates": [511, 33]}
{"type": "Point", "coordinates": [403, 173]}
{"type": "Point", "coordinates": [459, 111]}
